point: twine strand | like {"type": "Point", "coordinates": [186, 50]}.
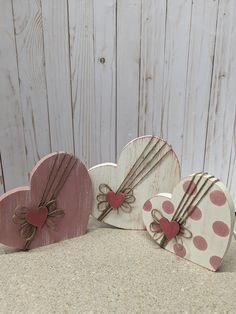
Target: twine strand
{"type": "Point", "coordinates": [55, 182]}
{"type": "Point", "coordinates": [181, 215]}
{"type": "Point", "coordinates": [132, 178]}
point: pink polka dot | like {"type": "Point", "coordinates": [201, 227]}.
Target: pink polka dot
{"type": "Point", "coordinates": [215, 262]}
{"type": "Point", "coordinates": [200, 243]}
{"type": "Point", "coordinates": [147, 206]}
{"type": "Point", "coordinates": [195, 213]}
{"type": "Point", "coordinates": [179, 250]}
{"type": "Point", "coordinates": [218, 198]}
{"type": "Point", "coordinates": [190, 187]}
{"type": "Point", "coordinates": [168, 207]}
{"type": "Point", "coordinates": [220, 228]}
{"type": "Point", "coordinates": [155, 227]}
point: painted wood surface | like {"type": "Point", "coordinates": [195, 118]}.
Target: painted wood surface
{"type": "Point", "coordinates": [120, 190]}
{"type": "Point", "coordinates": [55, 206]}
{"type": "Point", "coordinates": [33, 90]}
{"type": "Point", "coordinates": [207, 212]}
{"type": "Point", "coordinates": [87, 76]}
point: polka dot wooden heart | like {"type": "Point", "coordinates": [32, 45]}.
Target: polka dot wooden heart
{"type": "Point", "coordinates": [203, 213]}
{"type": "Point", "coordinates": [147, 165]}
{"type": "Point", "coordinates": [56, 205]}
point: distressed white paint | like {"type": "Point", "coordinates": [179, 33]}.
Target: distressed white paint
{"type": "Point", "coordinates": [198, 84]}
{"type": "Point", "coordinates": [56, 47]}
{"type": "Point", "coordinates": [152, 67]}
{"type": "Point", "coordinates": [222, 103]}
{"type": "Point", "coordinates": [169, 68]}
{"type": "Point", "coordinates": [178, 21]}
{"type": "Point", "coordinates": [12, 141]}
{"type": "Point", "coordinates": [127, 173]}
{"type": "Point", "coordinates": [29, 43]}
{"type": "Point", "coordinates": [105, 80]}
{"type": "Point", "coordinates": [82, 79]}
{"type": "Point", "coordinates": [128, 59]}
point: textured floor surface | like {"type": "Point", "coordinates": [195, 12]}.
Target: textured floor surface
{"type": "Point", "coordinates": [112, 271]}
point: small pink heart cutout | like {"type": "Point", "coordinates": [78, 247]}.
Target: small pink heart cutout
{"type": "Point", "coordinates": [37, 217]}
{"type": "Point", "coordinates": [115, 200]}
{"type": "Point", "coordinates": [169, 228]}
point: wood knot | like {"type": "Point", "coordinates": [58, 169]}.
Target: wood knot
{"type": "Point", "coordinates": [102, 60]}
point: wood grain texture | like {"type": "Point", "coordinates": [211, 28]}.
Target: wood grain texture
{"type": "Point", "coordinates": [87, 76]}
{"type": "Point", "coordinates": [12, 141]}
{"type": "Point", "coordinates": [152, 67]}
{"type": "Point", "coordinates": [74, 198]}
{"type": "Point", "coordinates": [178, 21]}
{"type": "Point", "coordinates": [128, 61]}
{"type": "Point", "coordinates": [105, 79]}
{"type": "Point", "coordinates": [198, 83]}
{"type": "Point", "coordinates": [230, 95]}
{"type": "Point", "coordinates": [211, 223]}
{"type": "Point", "coordinates": [162, 178]}
{"type": "Point", "coordinates": [33, 91]}
{"type": "Point", "coordinates": [222, 103]}
{"type": "Point", "coordinates": [56, 45]}
{"type": "Point", "coordinates": [85, 111]}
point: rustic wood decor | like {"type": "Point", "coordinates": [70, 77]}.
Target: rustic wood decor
{"type": "Point", "coordinates": [147, 166]}
{"type": "Point", "coordinates": [195, 222]}
{"type": "Point", "coordinates": [55, 206]}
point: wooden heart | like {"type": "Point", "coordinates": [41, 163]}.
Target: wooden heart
{"type": "Point", "coordinates": [204, 210]}
{"type": "Point", "coordinates": [117, 193]}
{"type": "Point", "coordinates": [55, 206]}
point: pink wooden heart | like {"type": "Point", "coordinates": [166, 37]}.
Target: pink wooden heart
{"type": "Point", "coordinates": [115, 199]}
{"type": "Point", "coordinates": [68, 175]}
{"type": "Point", "coordinates": [37, 217]}
{"type": "Point", "coordinates": [169, 228]}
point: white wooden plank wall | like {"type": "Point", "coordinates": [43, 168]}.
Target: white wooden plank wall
{"type": "Point", "coordinates": [87, 76]}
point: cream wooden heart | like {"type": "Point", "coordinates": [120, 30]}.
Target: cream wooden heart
{"type": "Point", "coordinates": [55, 206]}
{"type": "Point", "coordinates": [147, 165]}
{"type": "Point", "coordinates": [204, 210]}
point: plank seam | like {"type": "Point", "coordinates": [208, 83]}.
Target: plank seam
{"type": "Point", "coordinates": [211, 83]}
{"type": "Point", "coordinates": [3, 179]}
{"type": "Point", "coordinates": [18, 79]}
{"type": "Point", "coordinates": [70, 72]}
{"type": "Point", "coordinates": [140, 64]}
{"type": "Point", "coordinates": [45, 76]}
{"type": "Point", "coordinates": [186, 81]}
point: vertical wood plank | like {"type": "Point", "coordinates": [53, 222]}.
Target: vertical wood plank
{"type": "Point", "coordinates": [223, 93]}
{"type": "Point", "coordinates": [2, 182]}
{"type": "Point", "coordinates": [30, 52]}
{"type": "Point", "coordinates": [105, 78]}
{"type": "Point", "coordinates": [12, 143]}
{"type": "Point", "coordinates": [200, 64]}
{"type": "Point", "coordinates": [86, 114]}
{"type": "Point", "coordinates": [229, 102]}
{"type": "Point", "coordinates": [128, 60]}
{"type": "Point", "coordinates": [178, 21]}
{"type": "Point", "coordinates": [152, 67]}
{"type": "Point", "coordinates": [56, 45]}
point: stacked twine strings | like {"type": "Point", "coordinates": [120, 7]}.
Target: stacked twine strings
{"type": "Point", "coordinates": [58, 175]}
{"type": "Point", "coordinates": [191, 200]}
{"type": "Point", "coordinates": [148, 160]}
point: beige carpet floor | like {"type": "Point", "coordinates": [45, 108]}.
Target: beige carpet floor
{"type": "Point", "coordinates": [112, 271]}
